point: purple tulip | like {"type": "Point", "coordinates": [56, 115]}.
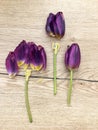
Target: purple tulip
{"type": "Point", "coordinates": [11, 64]}
{"type": "Point", "coordinates": [32, 57]}
{"type": "Point", "coordinates": [55, 25]}
{"type": "Point", "coordinates": [72, 61]}
{"type": "Point", "coordinates": [21, 52]}
{"type": "Point", "coordinates": [73, 56]}
{"type": "Point", "coordinates": [38, 58]}
{"type": "Point", "coordinates": [29, 54]}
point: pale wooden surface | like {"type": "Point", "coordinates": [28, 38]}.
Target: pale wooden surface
{"type": "Point", "coordinates": [25, 19]}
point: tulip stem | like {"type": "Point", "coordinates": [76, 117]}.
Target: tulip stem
{"type": "Point", "coordinates": [70, 89]}
{"type": "Point", "coordinates": [55, 72]}
{"type": "Point", "coordinates": [55, 47]}
{"type": "Point", "coordinates": [28, 73]}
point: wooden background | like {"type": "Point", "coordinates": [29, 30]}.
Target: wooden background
{"type": "Point", "coordinates": [25, 19]}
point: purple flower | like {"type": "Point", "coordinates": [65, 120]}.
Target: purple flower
{"type": "Point", "coordinates": [33, 57]}
{"type": "Point", "coordinates": [55, 25]}
{"type": "Point", "coordinates": [11, 64]}
{"type": "Point", "coordinates": [73, 56]}
{"type": "Point", "coordinates": [72, 61]}
{"type": "Point", "coordinates": [30, 55]}
{"type": "Point", "coordinates": [21, 52]}
{"type": "Point", "coordinates": [38, 58]}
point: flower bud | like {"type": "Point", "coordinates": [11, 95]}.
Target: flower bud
{"type": "Point", "coordinates": [72, 56]}
{"type": "Point", "coordinates": [55, 25]}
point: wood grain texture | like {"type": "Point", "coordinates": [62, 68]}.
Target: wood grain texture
{"type": "Point", "coordinates": [25, 19]}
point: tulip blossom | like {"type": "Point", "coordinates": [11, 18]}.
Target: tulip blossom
{"type": "Point", "coordinates": [55, 27]}
{"type": "Point", "coordinates": [37, 57]}
{"type": "Point", "coordinates": [72, 61]}
{"type": "Point", "coordinates": [31, 57]}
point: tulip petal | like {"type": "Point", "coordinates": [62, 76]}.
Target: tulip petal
{"type": "Point", "coordinates": [28, 56]}
{"type": "Point", "coordinates": [55, 28]}
{"type": "Point", "coordinates": [34, 57]}
{"type": "Point", "coordinates": [49, 25]}
{"type": "Point", "coordinates": [21, 52]}
{"type": "Point", "coordinates": [37, 58]}
{"type": "Point", "coordinates": [44, 58]}
{"type": "Point", "coordinates": [11, 64]}
{"type": "Point", "coordinates": [43, 55]}
{"type": "Point", "coordinates": [60, 24]}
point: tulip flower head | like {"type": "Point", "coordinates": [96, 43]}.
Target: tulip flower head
{"type": "Point", "coordinates": [37, 57]}
{"type": "Point", "coordinates": [30, 55]}
{"type": "Point", "coordinates": [72, 61]}
{"type": "Point", "coordinates": [32, 58]}
{"type": "Point", "coordinates": [72, 56]}
{"type": "Point", "coordinates": [55, 27]}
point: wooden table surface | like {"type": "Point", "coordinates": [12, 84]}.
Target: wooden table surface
{"type": "Point", "coordinates": [25, 19]}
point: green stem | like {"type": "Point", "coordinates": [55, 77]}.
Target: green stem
{"type": "Point", "coordinates": [70, 88]}
{"type": "Point", "coordinates": [27, 101]}
{"type": "Point", "coordinates": [55, 72]}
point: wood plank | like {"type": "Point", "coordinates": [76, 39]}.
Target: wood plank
{"type": "Point", "coordinates": [49, 111]}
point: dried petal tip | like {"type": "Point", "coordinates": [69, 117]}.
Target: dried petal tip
{"type": "Point", "coordinates": [38, 58]}
{"type": "Point", "coordinates": [11, 64]}
{"type": "Point", "coordinates": [73, 56]}
{"type": "Point", "coordinates": [21, 52]}
{"type": "Point", "coordinates": [55, 25]}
